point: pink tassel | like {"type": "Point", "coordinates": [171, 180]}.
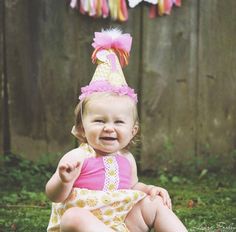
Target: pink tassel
{"type": "Point", "coordinates": [152, 12]}
{"type": "Point", "coordinates": [81, 10]}
{"type": "Point", "coordinates": [105, 9]}
{"type": "Point", "coordinates": [82, 7]}
{"type": "Point", "coordinates": [92, 8]}
{"type": "Point", "coordinates": [168, 6]}
{"type": "Point", "coordinates": [177, 2]}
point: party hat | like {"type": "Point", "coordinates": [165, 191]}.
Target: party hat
{"type": "Point", "coordinates": [108, 77]}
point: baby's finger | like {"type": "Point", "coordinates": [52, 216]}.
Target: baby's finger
{"type": "Point", "coordinates": [63, 167]}
{"type": "Point", "coordinates": [164, 196]}
{"type": "Point", "coordinates": [169, 204]}
{"type": "Point", "coordinates": [153, 192]}
{"type": "Point", "coordinates": [68, 167]}
{"type": "Point", "coordinates": [77, 164]}
{"type": "Point", "coordinates": [74, 165]}
{"type": "Point", "coordinates": [167, 200]}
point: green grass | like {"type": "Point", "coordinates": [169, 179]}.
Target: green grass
{"type": "Point", "coordinates": [204, 203]}
{"type": "Point", "coordinates": [207, 204]}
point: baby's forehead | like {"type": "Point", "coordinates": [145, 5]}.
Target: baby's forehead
{"type": "Point", "coordinates": [124, 101]}
{"type": "Point", "coordinates": [115, 104]}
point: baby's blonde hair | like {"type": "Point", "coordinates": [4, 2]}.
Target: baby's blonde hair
{"type": "Point", "coordinates": [80, 110]}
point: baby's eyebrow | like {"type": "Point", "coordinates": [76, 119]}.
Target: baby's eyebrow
{"type": "Point", "coordinates": [98, 116]}
{"type": "Point", "coordinates": [120, 117]}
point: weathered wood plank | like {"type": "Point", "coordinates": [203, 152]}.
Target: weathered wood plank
{"type": "Point", "coordinates": [217, 78]}
{"type": "Point", "coordinates": [26, 121]}
{"type": "Point", "coordinates": [169, 88]}
{"type": "Point", "coordinates": [1, 73]}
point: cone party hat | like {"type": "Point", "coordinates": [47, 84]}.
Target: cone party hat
{"type": "Point", "coordinates": [111, 52]}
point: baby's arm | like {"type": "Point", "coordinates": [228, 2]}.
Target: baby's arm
{"type": "Point", "coordinates": [61, 183]}
{"type": "Point", "coordinates": [148, 189]}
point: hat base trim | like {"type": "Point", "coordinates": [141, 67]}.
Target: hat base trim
{"type": "Point", "coordinates": [105, 86]}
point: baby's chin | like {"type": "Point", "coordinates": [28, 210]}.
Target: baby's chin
{"type": "Point", "coordinates": [104, 152]}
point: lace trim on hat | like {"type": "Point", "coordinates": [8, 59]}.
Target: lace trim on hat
{"type": "Point", "coordinates": [104, 86]}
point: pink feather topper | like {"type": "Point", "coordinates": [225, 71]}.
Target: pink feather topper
{"type": "Point", "coordinates": [115, 40]}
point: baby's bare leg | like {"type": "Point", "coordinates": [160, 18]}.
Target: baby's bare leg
{"type": "Point", "coordinates": [80, 220]}
{"type": "Point", "coordinates": [148, 214]}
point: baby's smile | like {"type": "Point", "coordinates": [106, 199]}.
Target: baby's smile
{"type": "Point", "coordinates": [108, 138]}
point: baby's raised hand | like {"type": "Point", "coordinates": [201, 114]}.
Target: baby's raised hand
{"type": "Point", "coordinates": [68, 171]}
{"type": "Point", "coordinates": [158, 191]}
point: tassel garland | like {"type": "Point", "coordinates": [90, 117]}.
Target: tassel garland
{"type": "Point", "coordinates": [117, 9]}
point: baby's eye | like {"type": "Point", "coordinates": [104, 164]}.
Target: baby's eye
{"type": "Point", "coordinates": [99, 120]}
{"type": "Point", "coordinates": [119, 122]}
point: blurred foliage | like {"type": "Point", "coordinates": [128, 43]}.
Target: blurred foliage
{"type": "Point", "coordinates": [193, 165]}
{"type": "Point", "coordinates": [204, 200]}
{"type": "Point", "coordinates": [17, 172]}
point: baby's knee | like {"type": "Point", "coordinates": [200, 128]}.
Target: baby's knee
{"type": "Point", "coordinates": [72, 219]}
{"type": "Point", "coordinates": [152, 206]}
{"type": "Point", "coordinates": [149, 201]}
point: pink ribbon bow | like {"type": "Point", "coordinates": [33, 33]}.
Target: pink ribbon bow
{"type": "Point", "coordinates": [105, 41]}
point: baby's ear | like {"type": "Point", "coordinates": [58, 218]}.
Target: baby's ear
{"type": "Point", "coordinates": [78, 132]}
{"type": "Point", "coordinates": [135, 129]}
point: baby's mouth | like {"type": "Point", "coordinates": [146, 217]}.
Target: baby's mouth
{"type": "Point", "coordinates": [108, 138]}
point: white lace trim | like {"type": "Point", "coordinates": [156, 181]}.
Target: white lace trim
{"type": "Point", "coordinates": [112, 180]}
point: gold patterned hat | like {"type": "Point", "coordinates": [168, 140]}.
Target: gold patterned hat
{"type": "Point", "coordinates": [108, 76]}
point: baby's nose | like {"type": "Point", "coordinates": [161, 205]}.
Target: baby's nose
{"type": "Point", "coordinates": [108, 127]}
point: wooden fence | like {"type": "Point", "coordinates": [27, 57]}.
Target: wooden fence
{"type": "Point", "coordinates": [183, 67]}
